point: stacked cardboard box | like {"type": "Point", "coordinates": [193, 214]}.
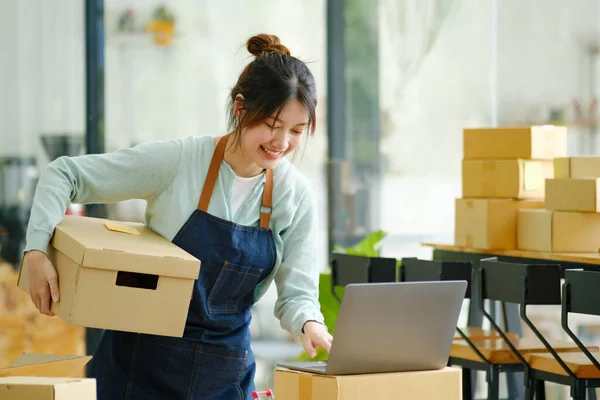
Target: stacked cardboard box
{"type": "Point", "coordinates": [503, 170]}
{"type": "Point", "coordinates": [24, 329]}
{"type": "Point", "coordinates": [570, 220]}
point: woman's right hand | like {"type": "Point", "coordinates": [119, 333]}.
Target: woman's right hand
{"type": "Point", "coordinates": [43, 280]}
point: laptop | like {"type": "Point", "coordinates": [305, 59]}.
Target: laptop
{"type": "Point", "coordinates": [392, 327]}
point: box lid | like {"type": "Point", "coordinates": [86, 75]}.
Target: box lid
{"type": "Point", "coordinates": [46, 365]}
{"type": "Point", "coordinates": [37, 380]}
{"type": "Point", "coordinates": [126, 246]}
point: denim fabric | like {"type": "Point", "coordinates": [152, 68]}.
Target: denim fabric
{"type": "Point", "coordinates": [213, 360]}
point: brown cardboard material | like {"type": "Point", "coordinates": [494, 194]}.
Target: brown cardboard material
{"type": "Point", "coordinates": [443, 384]}
{"type": "Point", "coordinates": [47, 365]}
{"type": "Point", "coordinates": [489, 224]}
{"type": "Point", "coordinates": [558, 232]}
{"type": "Point", "coordinates": [112, 279]}
{"type": "Point", "coordinates": [577, 167]}
{"type": "Point", "coordinates": [516, 179]}
{"type": "Point", "coordinates": [24, 387]}
{"type": "Point", "coordinates": [532, 142]}
{"type": "Point", "coordinates": [573, 194]}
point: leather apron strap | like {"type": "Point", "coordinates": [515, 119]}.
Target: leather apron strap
{"type": "Point", "coordinates": [213, 174]}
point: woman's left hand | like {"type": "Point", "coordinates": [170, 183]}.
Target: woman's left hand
{"type": "Point", "coordinates": [315, 336]}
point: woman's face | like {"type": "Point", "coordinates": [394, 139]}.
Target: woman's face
{"type": "Point", "coordinates": [265, 144]}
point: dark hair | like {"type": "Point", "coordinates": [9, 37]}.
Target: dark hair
{"type": "Point", "coordinates": [268, 83]}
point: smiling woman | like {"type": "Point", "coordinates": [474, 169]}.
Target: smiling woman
{"type": "Point", "coordinates": [235, 203]}
{"type": "Point", "coordinates": [273, 103]}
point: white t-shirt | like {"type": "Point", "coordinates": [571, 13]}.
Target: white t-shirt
{"type": "Point", "coordinates": [242, 189]}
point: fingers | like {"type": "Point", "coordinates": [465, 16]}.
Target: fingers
{"type": "Point", "coordinates": [35, 300]}
{"type": "Point", "coordinates": [324, 341]}
{"type": "Point", "coordinates": [53, 282]}
{"type": "Point", "coordinates": [307, 343]}
{"type": "Point", "coordinates": [45, 302]}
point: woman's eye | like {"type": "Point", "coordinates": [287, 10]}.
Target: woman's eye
{"type": "Point", "coordinates": [271, 126]}
{"type": "Point", "coordinates": [298, 132]}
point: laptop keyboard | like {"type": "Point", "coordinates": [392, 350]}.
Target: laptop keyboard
{"type": "Point", "coordinates": [316, 365]}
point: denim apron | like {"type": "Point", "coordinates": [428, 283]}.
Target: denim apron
{"type": "Point", "coordinates": [213, 360]}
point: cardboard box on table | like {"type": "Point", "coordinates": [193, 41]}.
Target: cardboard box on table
{"type": "Point", "coordinates": [512, 179]}
{"type": "Point", "coordinates": [443, 384]}
{"type": "Point", "coordinates": [47, 377]}
{"type": "Point", "coordinates": [573, 194]}
{"type": "Point", "coordinates": [532, 143]}
{"type": "Point", "coordinates": [577, 167]}
{"type": "Point", "coordinates": [489, 224]}
{"type": "Point", "coordinates": [120, 276]}
{"type": "Point", "coordinates": [559, 232]}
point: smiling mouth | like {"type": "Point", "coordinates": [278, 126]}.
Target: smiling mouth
{"type": "Point", "coordinates": [271, 152]}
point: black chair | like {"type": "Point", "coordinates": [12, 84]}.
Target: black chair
{"type": "Point", "coordinates": [413, 270]}
{"type": "Point", "coordinates": [580, 370]}
{"type": "Point", "coordinates": [349, 268]}
{"type": "Point", "coordinates": [524, 285]}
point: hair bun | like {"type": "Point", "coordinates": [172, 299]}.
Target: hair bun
{"type": "Point", "coordinates": [263, 43]}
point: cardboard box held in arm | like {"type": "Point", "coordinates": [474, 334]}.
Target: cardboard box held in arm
{"type": "Point", "coordinates": [533, 143]}
{"type": "Point", "coordinates": [443, 384]}
{"type": "Point", "coordinates": [120, 276]}
{"type": "Point", "coordinates": [513, 179]}
{"type": "Point", "coordinates": [24, 387]}
{"type": "Point", "coordinates": [577, 167]}
{"type": "Point", "coordinates": [558, 232]}
{"type": "Point", "coordinates": [489, 224]}
{"type": "Point", "coordinates": [573, 194]}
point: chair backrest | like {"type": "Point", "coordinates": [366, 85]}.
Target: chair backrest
{"type": "Point", "coordinates": [416, 270]}
{"type": "Point", "coordinates": [349, 268]}
{"type": "Point", "coordinates": [525, 284]}
{"type": "Point", "coordinates": [583, 291]}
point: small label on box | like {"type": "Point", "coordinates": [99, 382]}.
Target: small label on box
{"type": "Point", "coordinates": [116, 227]}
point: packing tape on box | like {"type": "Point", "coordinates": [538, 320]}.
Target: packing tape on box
{"type": "Point", "coordinates": [305, 387]}
{"type": "Point", "coordinates": [116, 227]}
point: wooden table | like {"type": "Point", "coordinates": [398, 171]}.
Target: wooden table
{"type": "Point", "coordinates": [590, 260]}
{"type": "Point", "coordinates": [512, 320]}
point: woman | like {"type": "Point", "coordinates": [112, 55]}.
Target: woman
{"type": "Point", "coordinates": [253, 220]}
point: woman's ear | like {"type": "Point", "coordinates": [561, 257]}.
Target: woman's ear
{"type": "Point", "coordinates": [238, 106]}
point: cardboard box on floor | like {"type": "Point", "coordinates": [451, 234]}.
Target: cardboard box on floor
{"type": "Point", "coordinates": [573, 194]}
{"type": "Point", "coordinates": [47, 365]}
{"type": "Point", "coordinates": [489, 224]}
{"type": "Point", "coordinates": [513, 179]}
{"type": "Point", "coordinates": [577, 167]}
{"type": "Point", "coordinates": [23, 387]}
{"type": "Point", "coordinates": [558, 232]}
{"type": "Point", "coordinates": [532, 142]}
{"type": "Point", "coordinates": [444, 384]}
{"type": "Point", "coordinates": [47, 377]}
{"type": "Point", "coordinates": [120, 276]}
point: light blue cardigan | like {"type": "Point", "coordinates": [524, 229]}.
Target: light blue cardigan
{"type": "Point", "coordinates": [170, 175]}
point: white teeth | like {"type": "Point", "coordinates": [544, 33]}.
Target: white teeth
{"type": "Point", "coordinates": [273, 153]}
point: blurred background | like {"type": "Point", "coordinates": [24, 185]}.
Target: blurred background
{"type": "Point", "coordinates": [398, 80]}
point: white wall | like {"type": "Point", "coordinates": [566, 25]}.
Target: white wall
{"type": "Point", "coordinates": [41, 73]}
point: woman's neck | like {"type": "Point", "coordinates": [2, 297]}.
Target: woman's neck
{"type": "Point", "coordinates": [242, 165]}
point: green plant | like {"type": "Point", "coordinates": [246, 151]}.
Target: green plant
{"type": "Point", "coordinates": [330, 306]}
